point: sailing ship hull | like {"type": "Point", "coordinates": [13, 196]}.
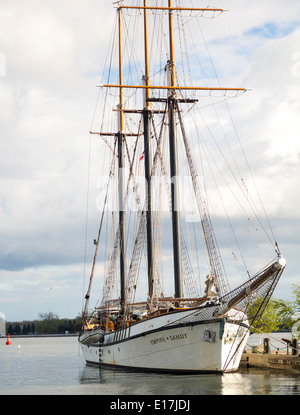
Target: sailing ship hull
{"type": "Point", "coordinates": [162, 345]}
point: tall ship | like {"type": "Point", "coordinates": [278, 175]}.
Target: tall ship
{"type": "Point", "coordinates": [174, 290]}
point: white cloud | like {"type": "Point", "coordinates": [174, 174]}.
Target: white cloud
{"type": "Point", "coordinates": [274, 107]}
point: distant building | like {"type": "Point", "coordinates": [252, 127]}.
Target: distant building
{"type": "Point", "coordinates": [2, 325]}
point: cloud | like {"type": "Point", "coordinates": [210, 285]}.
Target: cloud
{"type": "Point", "coordinates": [274, 108]}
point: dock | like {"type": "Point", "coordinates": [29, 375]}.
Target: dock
{"type": "Point", "coordinates": [270, 361]}
{"type": "Point", "coordinates": [263, 357]}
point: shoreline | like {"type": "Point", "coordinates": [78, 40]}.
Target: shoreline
{"type": "Point", "coordinates": [20, 336]}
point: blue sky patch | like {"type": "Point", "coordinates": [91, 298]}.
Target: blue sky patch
{"type": "Point", "coordinates": [272, 30]}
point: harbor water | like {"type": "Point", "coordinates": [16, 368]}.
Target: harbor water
{"type": "Point", "coordinates": [55, 365]}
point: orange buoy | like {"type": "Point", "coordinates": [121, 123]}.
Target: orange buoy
{"type": "Point", "coordinates": [8, 342]}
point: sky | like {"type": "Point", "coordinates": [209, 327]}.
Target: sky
{"type": "Point", "coordinates": [51, 55]}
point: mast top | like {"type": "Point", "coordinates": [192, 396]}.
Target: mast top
{"type": "Point", "coordinates": [172, 87]}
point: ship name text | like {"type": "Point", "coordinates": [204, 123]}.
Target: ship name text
{"type": "Point", "coordinates": [172, 337]}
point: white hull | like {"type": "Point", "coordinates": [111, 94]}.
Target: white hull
{"type": "Point", "coordinates": [162, 344]}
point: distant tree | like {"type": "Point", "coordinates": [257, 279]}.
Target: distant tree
{"type": "Point", "coordinates": [48, 323]}
{"type": "Point", "coordinates": [17, 329]}
{"type": "Point", "coordinates": [9, 328]}
{"type": "Point", "coordinates": [33, 328]}
{"type": "Point", "coordinates": [48, 316]}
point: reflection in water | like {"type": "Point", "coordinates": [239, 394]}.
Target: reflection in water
{"type": "Point", "coordinates": [235, 384]}
{"type": "Point", "coordinates": [151, 384]}
{"type": "Point", "coordinates": [90, 374]}
{"type": "Point", "coordinates": [244, 382]}
{"type": "Point", "coordinates": [272, 381]}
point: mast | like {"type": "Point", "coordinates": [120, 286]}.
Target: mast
{"type": "Point", "coordinates": [172, 102]}
{"type": "Point", "coordinates": [147, 158]}
{"type": "Point", "coordinates": [121, 179]}
{"type": "Point", "coordinates": [172, 108]}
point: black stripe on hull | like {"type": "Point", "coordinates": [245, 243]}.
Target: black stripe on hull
{"type": "Point", "coordinates": [154, 370]}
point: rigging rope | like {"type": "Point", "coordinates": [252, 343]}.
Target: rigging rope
{"type": "Point", "coordinates": [240, 144]}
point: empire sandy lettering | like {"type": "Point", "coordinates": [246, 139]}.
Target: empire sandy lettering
{"type": "Point", "coordinates": [171, 338]}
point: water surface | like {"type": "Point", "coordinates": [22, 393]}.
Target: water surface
{"type": "Point", "coordinates": [55, 365]}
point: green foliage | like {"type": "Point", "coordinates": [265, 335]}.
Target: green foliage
{"type": "Point", "coordinates": [296, 293]}
{"type": "Point", "coordinates": [288, 310]}
{"type": "Point", "coordinates": [285, 312]}
{"type": "Point", "coordinates": [48, 323]}
{"type": "Point", "coordinates": [268, 322]}
{"type": "Point", "coordinates": [277, 314]}
{"type": "Point", "coordinates": [20, 328]}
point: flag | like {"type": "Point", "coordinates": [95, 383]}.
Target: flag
{"type": "Point", "coordinates": [142, 156]}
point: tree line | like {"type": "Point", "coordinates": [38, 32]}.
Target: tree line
{"type": "Point", "coordinates": [47, 323]}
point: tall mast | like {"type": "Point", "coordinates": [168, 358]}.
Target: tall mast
{"type": "Point", "coordinates": [148, 163]}
{"type": "Point", "coordinates": [172, 108]}
{"type": "Point", "coordinates": [121, 179]}
{"type": "Point", "coordinates": [172, 101]}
